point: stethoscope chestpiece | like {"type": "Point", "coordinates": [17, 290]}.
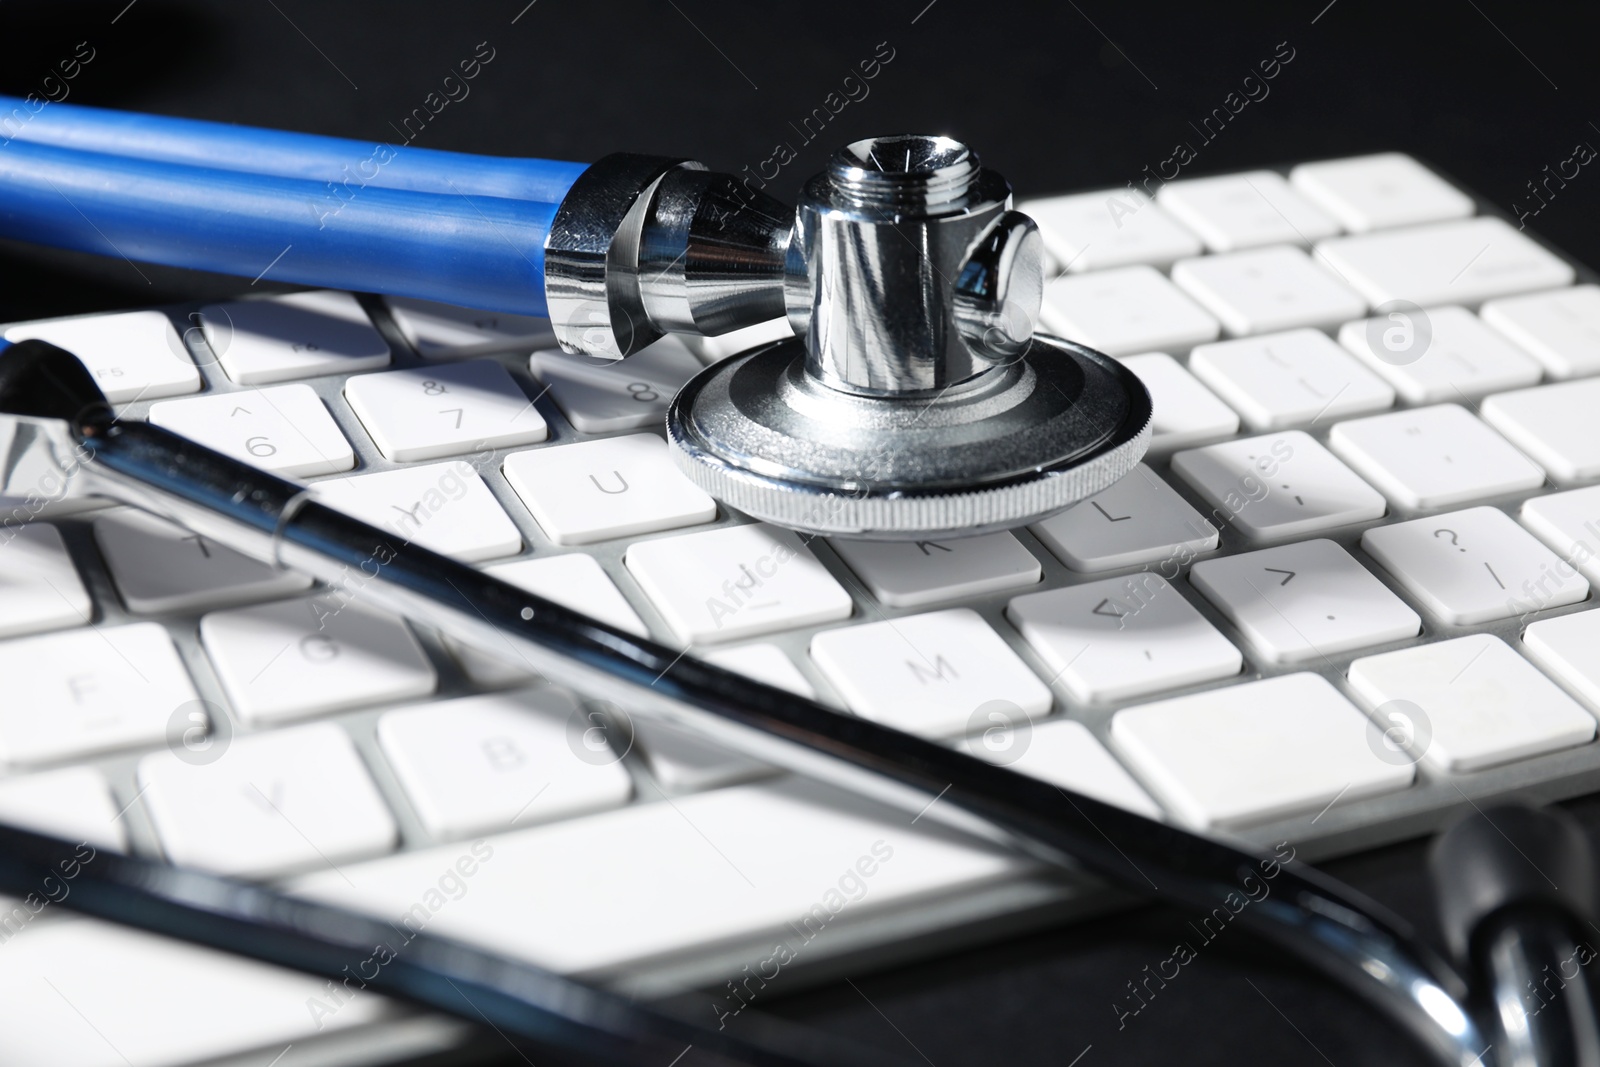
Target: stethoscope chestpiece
{"type": "Point", "coordinates": [917, 400]}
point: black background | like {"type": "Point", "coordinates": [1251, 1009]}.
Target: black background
{"type": "Point", "coordinates": [1057, 97]}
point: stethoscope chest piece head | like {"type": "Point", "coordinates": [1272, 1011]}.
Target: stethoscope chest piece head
{"type": "Point", "coordinates": [917, 400]}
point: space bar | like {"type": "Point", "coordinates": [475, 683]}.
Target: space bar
{"type": "Point", "coordinates": [648, 883]}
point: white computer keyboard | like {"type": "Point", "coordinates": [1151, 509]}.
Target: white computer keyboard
{"type": "Point", "coordinates": [1346, 594]}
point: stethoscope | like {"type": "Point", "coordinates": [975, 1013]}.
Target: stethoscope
{"type": "Point", "coordinates": [915, 401]}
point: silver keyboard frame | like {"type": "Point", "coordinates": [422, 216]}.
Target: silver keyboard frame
{"type": "Point", "coordinates": [920, 928]}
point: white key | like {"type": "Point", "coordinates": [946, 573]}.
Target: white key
{"type": "Point", "coordinates": [72, 803]}
{"type": "Point", "coordinates": [133, 355]}
{"type": "Point", "coordinates": [39, 587]}
{"type": "Point", "coordinates": [1443, 353]}
{"type": "Point", "coordinates": [445, 507]}
{"type": "Point", "coordinates": [681, 761]}
{"type": "Point", "coordinates": [927, 674]}
{"type": "Point", "coordinates": [1464, 690]}
{"type": "Point", "coordinates": [674, 877]}
{"type": "Point", "coordinates": [764, 663]}
{"type": "Point", "coordinates": [1474, 566]}
{"type": "Point", "coordinates": [1184, 412]}
{"type": "Point", "coordinates": [1289, 379]}
{"type": "Point", "coordinates": [1565, 647]}
{"type": "Point", "coordinates": [915, 574]}
{"type": "Point", "coordinates": [1126, 310]}
{"type": "Point", "coordinates": [1109, 228]}
{"type": "Point", "coordinates": [1139, 519]}
{"type": "Point", "coordinates": [1433, 457]}
{"type": "Point", "coordinates": [487, 763]}
{"type": "Point", "coordinates": [1555, 425]}
{"type": "Point", "coordinates": [1570, 524]}
{"type": "Point", "coordinates": [1462, 262]}
{"type": "Point", "coordinates": [295, 658]}
{"type": "Point", "coordinates": [285, 429]}
{"type": "Point", "coordinates": [1268, 289]}
{"type": "Point", "coordinates": [1064, 753]}
{"type": "Point", "coordinates": [160, 568]}
{"type": "Point", "coordinates": [431, 412]}
{"type": "Point", "coordinates": [276, 803]}
{"type": "Point", "coordinates": [730, 584]}
{"type": "Point", "coordinates": [598, 490]}
{"type": "Point", "coordinates": [1562, 329]}
{"type": "Point", "coordinates": [1304, 602]}
{"type": "Point", "coordinates": [715, 349]}
{"type": "Point", "coordinates": [574, 581]}
{"type": "Point", "coordinates": [603, 396]}
{"type": "Point", "coordinates": [1235, 211]}
{"type": "Point", "coordinates": [445, 331]}
{"type": "Point", "coordinates": [1380, 191]}
{"type": "Point", "coordinates": [1280, 485]}
{"type": "Point", "coordinates": [1122, 638]}
{"type": "Point", "coordinates": [259, 342]}
{"type": "Point", "coordinates": [97, 994]}
{"type": "Point", "coordinates": [106, 687]}
{"type": "Point", "coordinates": [1251, 753]}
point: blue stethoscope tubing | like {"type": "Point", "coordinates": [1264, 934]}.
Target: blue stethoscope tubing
{"type": "Point", "coordinates": [314, 210]}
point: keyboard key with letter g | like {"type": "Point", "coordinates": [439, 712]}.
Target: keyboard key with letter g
{"type": "Point", "coordinates": [294, 658]}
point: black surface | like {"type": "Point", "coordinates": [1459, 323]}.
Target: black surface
{"type": "Point", "coordinates": [1057, 96]}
